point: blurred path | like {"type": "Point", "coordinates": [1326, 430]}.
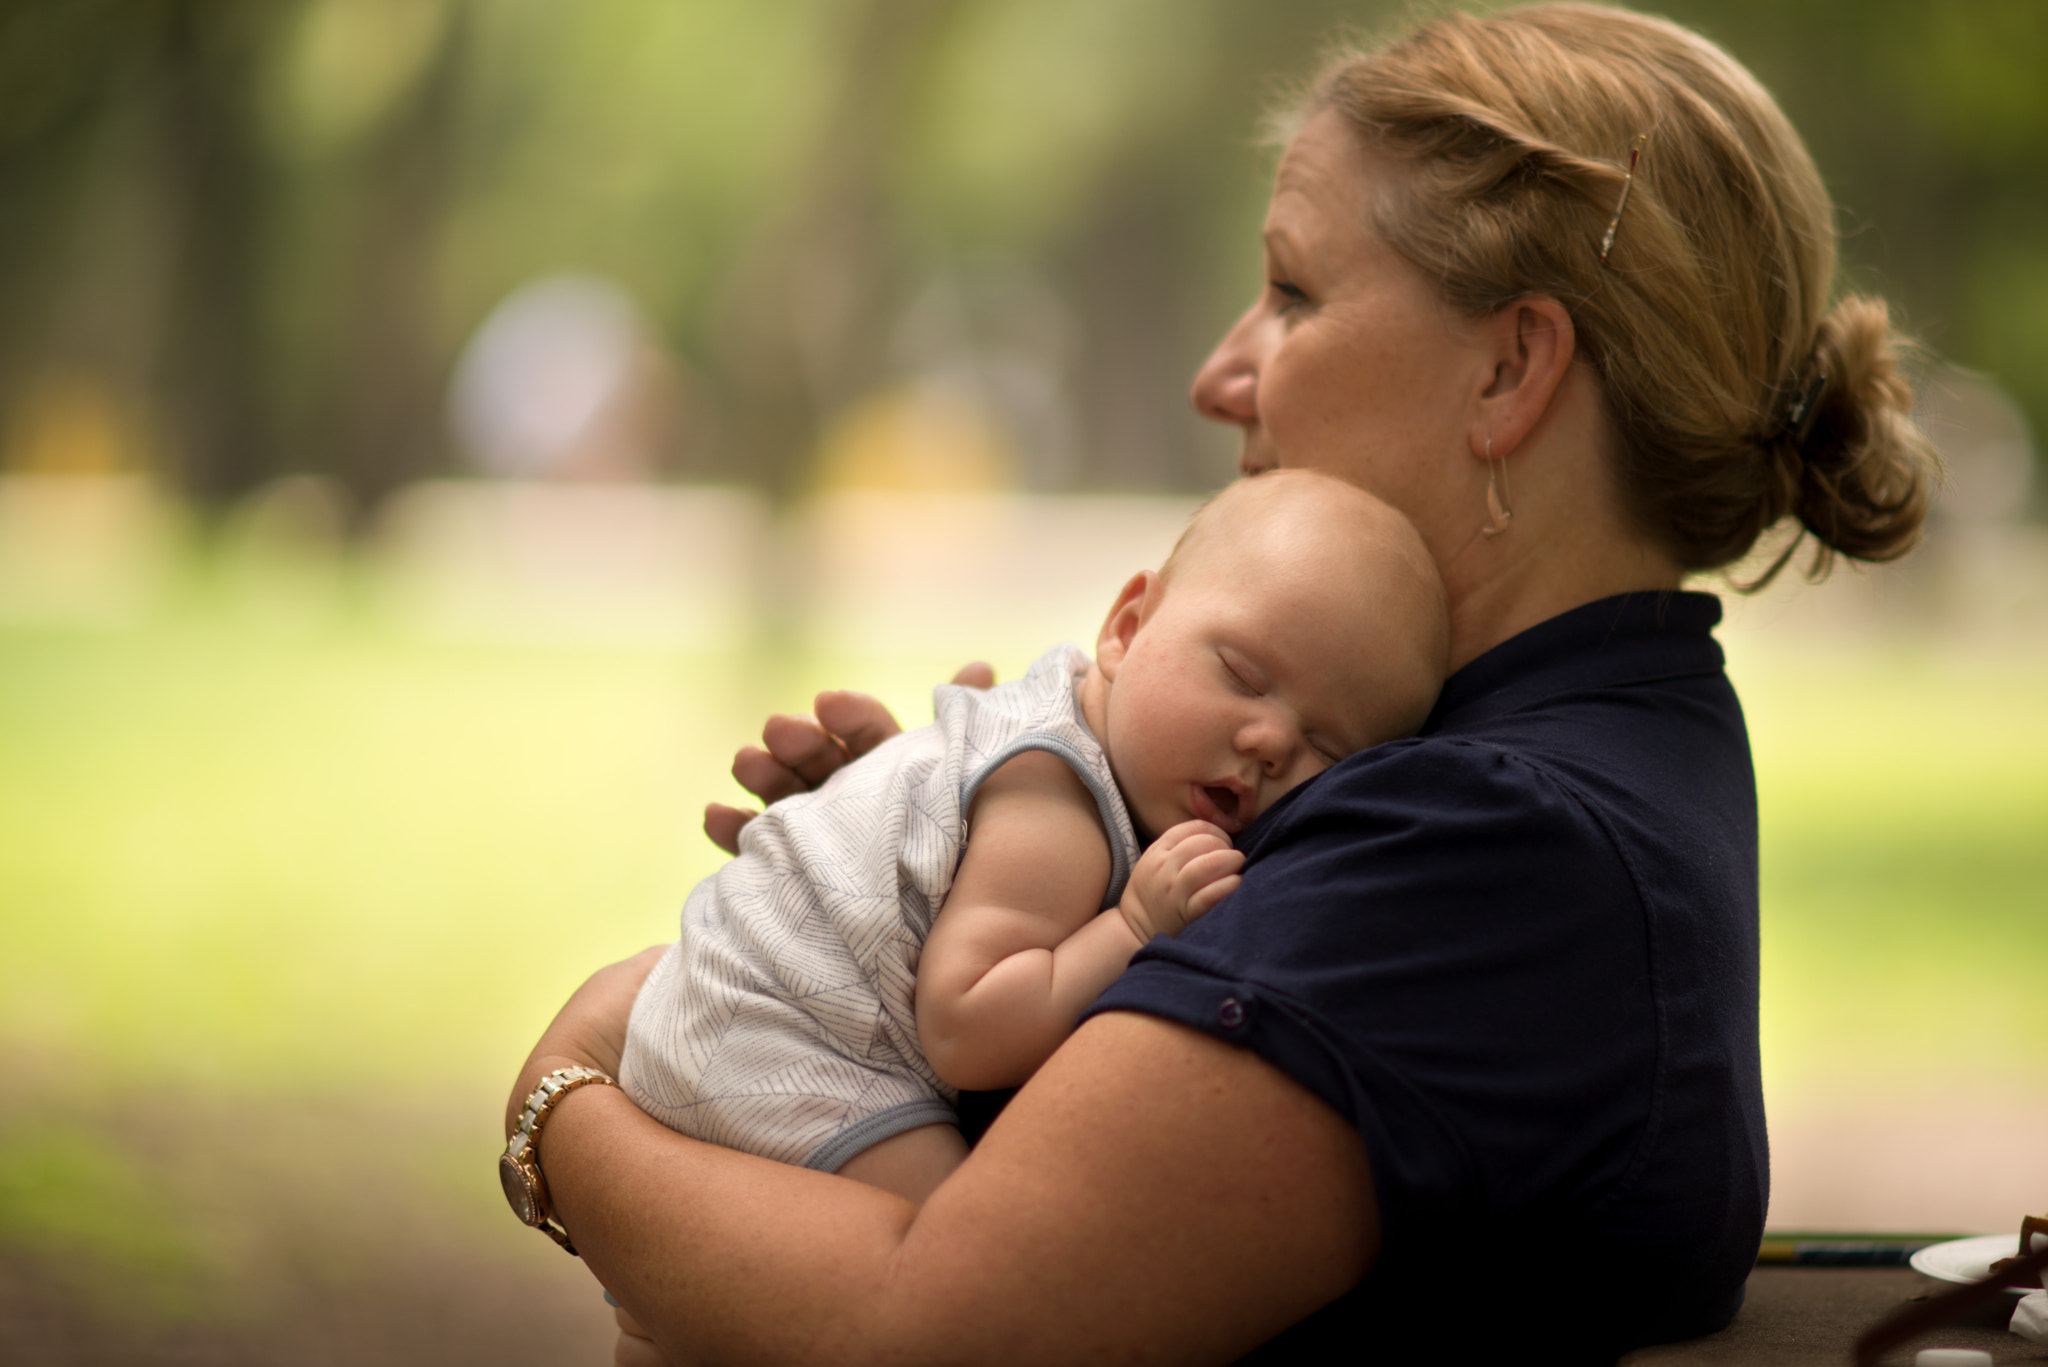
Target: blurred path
{"type": "Point", "coordinates": [298, 1234]}
{"type": "Point", "coordinates": [1954, 1159]}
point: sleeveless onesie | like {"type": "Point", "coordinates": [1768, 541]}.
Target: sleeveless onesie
{"type": "Point", "coordinates": [782, 1021]}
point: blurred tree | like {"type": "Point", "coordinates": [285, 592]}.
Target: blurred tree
{"type": "Point", "coordinates": [154, 98]}
{"type": "Point", "coordinates": [216, 370]}
{"type": "Point", "coordinates": [62, 68]}
{"type": "Point", "coordinates": [808, 298]}
{"type": "Point", "coordinates": [1930, 122]}
{"type": "Point", "coordinates": [378, 424]}
{"type": "Point", "coordinates": [270, 224]}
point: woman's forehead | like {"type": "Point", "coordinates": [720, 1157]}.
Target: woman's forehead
{"type": "Point", "coordinates": [1325, 159]}
{"type": "Point", "coordinates": [1324, 185]}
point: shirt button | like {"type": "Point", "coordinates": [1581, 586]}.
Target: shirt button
{"type": "Point", "coordinates": [1230, 1014]}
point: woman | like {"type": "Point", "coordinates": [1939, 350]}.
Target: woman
{"type": "Point", "coordinates": [1473, 1048]}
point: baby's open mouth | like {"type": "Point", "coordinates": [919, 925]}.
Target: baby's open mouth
{"type": "Point", "coordinates": [1221, 806]}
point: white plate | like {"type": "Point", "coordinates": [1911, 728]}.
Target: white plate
{"type": "Point", "coordinates": [1967, 1260]}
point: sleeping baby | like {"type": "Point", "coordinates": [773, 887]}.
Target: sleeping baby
{"type": "Point", "coordinates": [938, 914]}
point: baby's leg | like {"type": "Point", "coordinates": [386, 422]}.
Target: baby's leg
{"type": "Point", "coordinates": [910, 1164]}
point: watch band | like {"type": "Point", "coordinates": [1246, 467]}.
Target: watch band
{"type": "Point", "coordinates": [519, 1167]}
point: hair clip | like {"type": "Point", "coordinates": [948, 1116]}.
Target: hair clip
{"type": "Point", "coordinates": [1799, 416]}
{"type": "Point", "coordinates": [1628, 180]}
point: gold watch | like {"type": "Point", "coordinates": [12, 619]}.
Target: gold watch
{"type": "Point", "coordinates": [519, 1167]}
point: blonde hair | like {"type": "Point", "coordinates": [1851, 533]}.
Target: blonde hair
{"type": "Point", "coordinates": [1711, 314]}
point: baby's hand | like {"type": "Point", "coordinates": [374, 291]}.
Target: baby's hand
{"type": "Point", "coordinates": [1185, 872]}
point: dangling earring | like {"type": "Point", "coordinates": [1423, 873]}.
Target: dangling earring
{"type": "Point", "coordinates": [1498, 513]}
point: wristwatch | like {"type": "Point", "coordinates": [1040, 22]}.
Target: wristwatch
{"type": "Point", "coordinates": [519, 1167]}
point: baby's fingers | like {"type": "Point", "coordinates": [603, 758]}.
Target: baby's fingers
{"type": "Point", "coordinates": [1210, 895]}
{"type": "Point", "coordinates": [1176, 836]}
{"type": "Point", "coordinates": [1208, 866]}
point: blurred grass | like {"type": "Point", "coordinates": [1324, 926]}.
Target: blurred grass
{"type": "Point", "coordinates": [1904, 803]}
{"type": "Point", "coordinates": [278, 860]}
{"type": "Point", "coordinates": [279, 881]}
{"type": "Point", "coordinates": [82, 1201]}
{"type": "Point", "coordinates": [269, 861]}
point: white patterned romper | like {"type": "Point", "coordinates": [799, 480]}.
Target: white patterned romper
{"type": "Point", "coordinates": [782, 1021]}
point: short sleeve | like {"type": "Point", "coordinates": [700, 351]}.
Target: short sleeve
{"type": "Point", "coordinates": [1519, 953]}
{"type": "Point", "coordinates": [1444, 944]}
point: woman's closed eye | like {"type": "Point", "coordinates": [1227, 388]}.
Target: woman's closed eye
{"type": "Point", "coordinates": [1289, 296]}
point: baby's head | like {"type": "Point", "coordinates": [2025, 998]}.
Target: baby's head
{"type": "Point", "coordinates": [1298, 621]}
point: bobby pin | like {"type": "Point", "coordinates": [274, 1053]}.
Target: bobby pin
{"type": "Point", "coordinates": [1627, 181]}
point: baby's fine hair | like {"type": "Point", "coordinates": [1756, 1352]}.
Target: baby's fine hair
{"type": "Point", "coordinates": [1404, 577]}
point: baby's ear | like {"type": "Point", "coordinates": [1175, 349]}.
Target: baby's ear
{"type": "Point", "coordinates": [1133, 605]}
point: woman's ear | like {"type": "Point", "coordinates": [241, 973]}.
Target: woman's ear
{"type": "Point", "coordinates": [1133, 605]}
{"type": "Point", "coordinates": [1532, 344]}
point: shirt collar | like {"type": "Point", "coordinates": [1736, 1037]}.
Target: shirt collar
{"type": "Point", "coordinates": [1629, 638]}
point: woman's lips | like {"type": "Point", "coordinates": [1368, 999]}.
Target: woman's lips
{"type": "Point", "coordinates": [1217, 805]}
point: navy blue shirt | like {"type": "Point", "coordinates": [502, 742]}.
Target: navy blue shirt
{"type": "Point", "coordinates": [1519, 953]}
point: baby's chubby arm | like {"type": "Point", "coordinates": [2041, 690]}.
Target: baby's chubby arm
{"type": "Point", "coordinates": [1019, 950]}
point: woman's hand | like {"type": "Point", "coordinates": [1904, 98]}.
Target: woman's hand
{"type": "Point", "coordinates": [802, 752]}
{"type": "Point", "coordinates": [590, 1029]}
{"type": "Point", "coordinates": [1152, 1194]}
{"type": "Point", "coordinates": [636, 1347]}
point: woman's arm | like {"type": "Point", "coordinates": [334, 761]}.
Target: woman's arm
{"type": "Point", "coordinates": [1019, 948]}
{"type": "Point", "coordinates": [1151, 1195]}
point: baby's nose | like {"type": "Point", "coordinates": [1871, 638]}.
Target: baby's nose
{"type": "Point", "coordinates": [1270, 742]}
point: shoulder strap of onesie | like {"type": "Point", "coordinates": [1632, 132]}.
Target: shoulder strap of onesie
{"type": "Point", "coordinates": [1109, 805]}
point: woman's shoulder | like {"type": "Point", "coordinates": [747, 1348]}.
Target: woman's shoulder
{"type": "Point", "coordinates": [1612, 725]}
{"type": "Point", "coordinates": [1465, 823]}
{"type": "Point", "coordinates": [1421, 778]}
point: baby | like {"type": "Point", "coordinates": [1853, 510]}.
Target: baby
{"type": "Point", "coordinates": [938, 915]}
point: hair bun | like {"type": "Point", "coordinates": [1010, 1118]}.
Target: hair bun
{"type": "Point", "coordinates": [1866, 472]}
{"type": "Point", "coordinates": [1709, 317]}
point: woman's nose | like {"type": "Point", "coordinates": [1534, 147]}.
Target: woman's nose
{"type": "Point", "coordinates": [1226, 388]}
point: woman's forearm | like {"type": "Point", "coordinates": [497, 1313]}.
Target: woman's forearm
{"type": "Point", "coordinates": [1082, 1228]}
{"type": "Point", "coordinates": [647, 1206]}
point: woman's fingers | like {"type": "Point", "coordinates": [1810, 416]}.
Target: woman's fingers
{"type": "Point", "coordinates": [722, 824]}
{"type": "Point", "coordinates": [763, 775]}
{"type": "Point", "coordinates": [856, 721]}
{"type": "Point", "coordinates": [796, 754]}
{"type": "Point", "coordinates": [809, 751]}
{"type": "Point", "coordinates": [800, 755]}
{"type": "Point", "coordinates": [976, 674]}
{"type": "Point", "coordinates": [635, 1348]}
{"type": "Point", "coordinates": [633, 1351]}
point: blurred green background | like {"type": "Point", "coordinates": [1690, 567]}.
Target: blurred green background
{"type": "Point", "coordinates": [433, 433]}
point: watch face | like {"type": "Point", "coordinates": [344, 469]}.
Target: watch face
{"type": "Point", "coordinates": [518, 1190]}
